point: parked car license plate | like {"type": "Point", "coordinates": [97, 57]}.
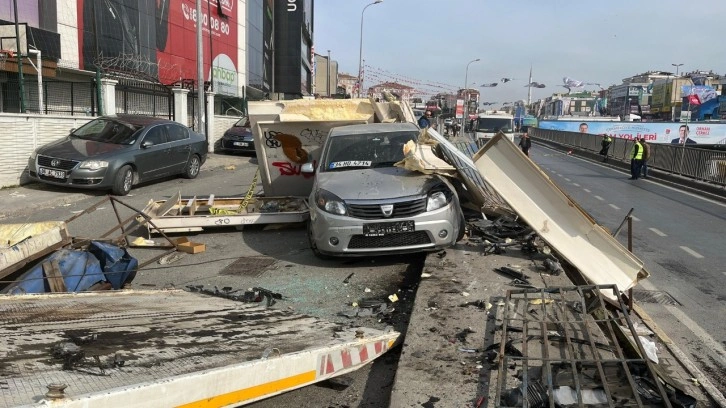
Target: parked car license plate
{"type": "Point", "coordinates": [383, 228]}
{"type": "Point", "coordinates": [59, 174]}
{"type": "Point", "coordinates": [241, 144]}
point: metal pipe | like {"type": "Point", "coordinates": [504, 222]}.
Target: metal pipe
{"type": "Point", "coordinates": [39, 69]}
{"type": "Point", "coordinates": [466, 94]}
{"type": "Point", "coordinates": [360, 49]}
{"type": "Point", "coordinates": [200, 71]}
{"type": "Point", "coordinates": [617, 231]}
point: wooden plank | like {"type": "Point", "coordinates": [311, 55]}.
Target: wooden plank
{"type": "Point", "coordinates": [192, 205]}
{"type": "Point", "coordinates": [52, 272]}
{"type": "Point", "coordinates": [169, 205]}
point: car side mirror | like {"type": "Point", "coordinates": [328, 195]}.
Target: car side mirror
{"type": "Point", "coordinates": [307, 168]}
{"type": "Point", "coordinates": [146, 144]}
{"type": "Point", "coordinates": [72, 130]}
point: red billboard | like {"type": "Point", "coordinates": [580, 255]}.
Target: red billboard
{"type": "Point", "coordinates": [158, 38]}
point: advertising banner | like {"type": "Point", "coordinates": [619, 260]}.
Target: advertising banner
{"type": "Point", "coordinates": [158, 38]}
{"type": "Point", "coordinates": [653, 132]}
{"type": "Point", "coordinates": [459, 108]}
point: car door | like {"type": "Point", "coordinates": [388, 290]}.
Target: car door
{"type": "Point", "coordinates": [180, 146]}
{"type": "Point", "coordinates": [153, 159]}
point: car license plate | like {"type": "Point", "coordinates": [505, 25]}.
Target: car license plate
{"type": "Point", "coordinates": [59, 174]}
{"type": "Point", "coordinates": [384, 228]}
{"type": "Point", "coordinates": [241, 144]}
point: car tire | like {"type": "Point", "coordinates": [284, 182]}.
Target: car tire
{"type": "Point", "coordinates": [462, 228]}
{"type": "Point", "coordinates": [314, 247]}
{"type": "Point", "coordinates": [192, 168]}
{"type": "Point", "coordinates": [123, 181]}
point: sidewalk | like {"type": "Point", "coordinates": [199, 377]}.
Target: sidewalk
{"type": "Point", "coordinates": [457, 314]}
{"type": "Point", "coordinates": [31, 197]}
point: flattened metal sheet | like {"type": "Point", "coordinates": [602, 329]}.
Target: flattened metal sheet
{"type": "Point", "coordinates": [555, 217]}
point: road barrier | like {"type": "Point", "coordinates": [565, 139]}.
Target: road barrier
{"type": "Point", "coordinates": [696, 163]}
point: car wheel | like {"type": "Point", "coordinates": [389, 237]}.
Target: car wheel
{"type": "Point", "coordinates": [123, 181]}
{"type": "Point", "coordinates": [314, 247]}
{"type": "Point", "coordinates": [192, 169]}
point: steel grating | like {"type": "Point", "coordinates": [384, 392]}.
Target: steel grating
{"type": "Point", "coordinates": [248, 266]}
{"type": "Point", "coordinates": [562, 347]}
{"type": "Point", "coordinates": [655, 296]}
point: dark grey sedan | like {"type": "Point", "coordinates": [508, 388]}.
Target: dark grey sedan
{"type": "Point", "coordinates": [118, 152]}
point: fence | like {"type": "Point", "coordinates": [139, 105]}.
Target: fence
{"type": "Point", "coordinates": [697, 163]}
{"type": "Point", "coordinates": [59, 97]}
{"type": "Point", "coordinates": [144, 98]}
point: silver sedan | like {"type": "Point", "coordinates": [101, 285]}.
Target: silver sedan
{"type": "Point", "coordinates": [361, 204]}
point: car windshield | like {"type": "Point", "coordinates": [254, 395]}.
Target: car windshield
{"type": "Point", "coordinates": [107, 131]}
{"type": "Point", "coordinates": [494, 125]}
{"type": "Point", "coordinates": [366, 150]}
{"type": "Point", "coordinates": [243, 122]}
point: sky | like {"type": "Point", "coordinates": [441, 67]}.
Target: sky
{"type": "Point", "coordinates": [428, 44]}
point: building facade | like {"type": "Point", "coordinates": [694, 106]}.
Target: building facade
{"type": "Point", "coordinates": [326, 76]}
{"type": "Point", "coordinates": [293, 64]}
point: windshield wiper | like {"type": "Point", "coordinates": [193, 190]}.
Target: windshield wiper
{"type": "Point", "coordinates": [385, 163]}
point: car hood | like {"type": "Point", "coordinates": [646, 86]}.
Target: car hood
{"type": "Point", "coordinates": [376, 184]}
{"type": "Point", "coordinates": [238, 131]}
{"type": "Point", "coordinates": [79, 149]}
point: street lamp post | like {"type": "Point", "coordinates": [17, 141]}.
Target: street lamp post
{"type": "Point", "coordinates": [360, 55]}
{"type": "Point", "coordinates": [466, 93]}
{"type": "Point", "coordinates": [673, 107]}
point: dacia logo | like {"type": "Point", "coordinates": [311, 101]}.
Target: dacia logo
{"type": "Point", "coordinates": [387, 210]}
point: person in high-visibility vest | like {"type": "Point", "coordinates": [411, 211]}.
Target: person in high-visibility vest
{"type": "Point", "coordinates": [606, 142]}
{"type": "Point", "coordinates": [636, 160]}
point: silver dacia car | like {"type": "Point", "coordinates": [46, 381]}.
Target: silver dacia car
{"type": "Point", "coordinates": [361, 204]}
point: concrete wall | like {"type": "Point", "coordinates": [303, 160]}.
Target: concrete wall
{"type": "Point", "coordinates": [21, 134]}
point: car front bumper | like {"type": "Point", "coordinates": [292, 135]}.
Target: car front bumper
{"type": "Point", "coordinates": [78, 178]}
{"type": "Point", "coordinates": [433, 230]}
{"type": "Point", "coordinates": [236, 145]}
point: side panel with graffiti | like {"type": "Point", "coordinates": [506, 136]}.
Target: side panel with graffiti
{"type": "Point", "coordinates": [282, 150]}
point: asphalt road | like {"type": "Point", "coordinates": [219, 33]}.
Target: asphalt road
{"type": "Point", "coordinates": [279, 259]}
{"type": "Point", "coordinates": [276, 258]}
{"type": "Point", "coordinates": [678, 235]}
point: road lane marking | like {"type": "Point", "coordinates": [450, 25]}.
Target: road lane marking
{"type": "Point", "coordinates": [599, 198]}
{"type": "Point", "coordinates": [658, 232]}
{"type": "Point", "coordinates": [566, 179]}
{"type": "Point", "coordinates": [661, 185]}
{"type": "Point", "coordinates": [691, 252]}
{"type": "Point", "coordinates": [575, 184]}
{"type": "Point", "coordinates": [587, 191]}
{"type": "Point", "coordinates": [614, 206]}
{"type": "Point", "coordinates": [635, 218]}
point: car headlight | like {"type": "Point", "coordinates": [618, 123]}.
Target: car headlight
{"type": "Point", "coordinates": [93, 164]}
{"type": "Point", "coordinates": [437, 200]}
{"type": "Point", "coordinates": [329, 202]}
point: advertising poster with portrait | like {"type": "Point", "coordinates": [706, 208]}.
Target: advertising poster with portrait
{"type": "Point", "coordinates": [157, 38]}
{"type": "Point", "coordinates": [655, 132]}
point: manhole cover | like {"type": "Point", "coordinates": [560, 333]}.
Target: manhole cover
{"type": "Point", "coordinates": [248, 266]}
{"type": "Point", "coordinates": [654, 296]}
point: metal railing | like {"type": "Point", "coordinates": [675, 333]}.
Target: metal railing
{"type": "Point", "coordinates": [683, 160]}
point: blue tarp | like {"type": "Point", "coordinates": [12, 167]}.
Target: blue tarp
{"type": "Point", "coordinates": [80, 269]}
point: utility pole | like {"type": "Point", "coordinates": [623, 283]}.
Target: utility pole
{"type": "Point", "coordinates": [529, 88]}
{"type": "Point", "coordinates": [19, 56]}
{"type": "Point", "coordinates": [328, 70]}
{"type": "Point", "coordinates": [200, 72]}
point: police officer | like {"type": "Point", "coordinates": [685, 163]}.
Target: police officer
{"type": "Point", "coordinates": [636, 160]}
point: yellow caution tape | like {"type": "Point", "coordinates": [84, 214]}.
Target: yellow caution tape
{"type": "Point", "coordinates": [245, 201]}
